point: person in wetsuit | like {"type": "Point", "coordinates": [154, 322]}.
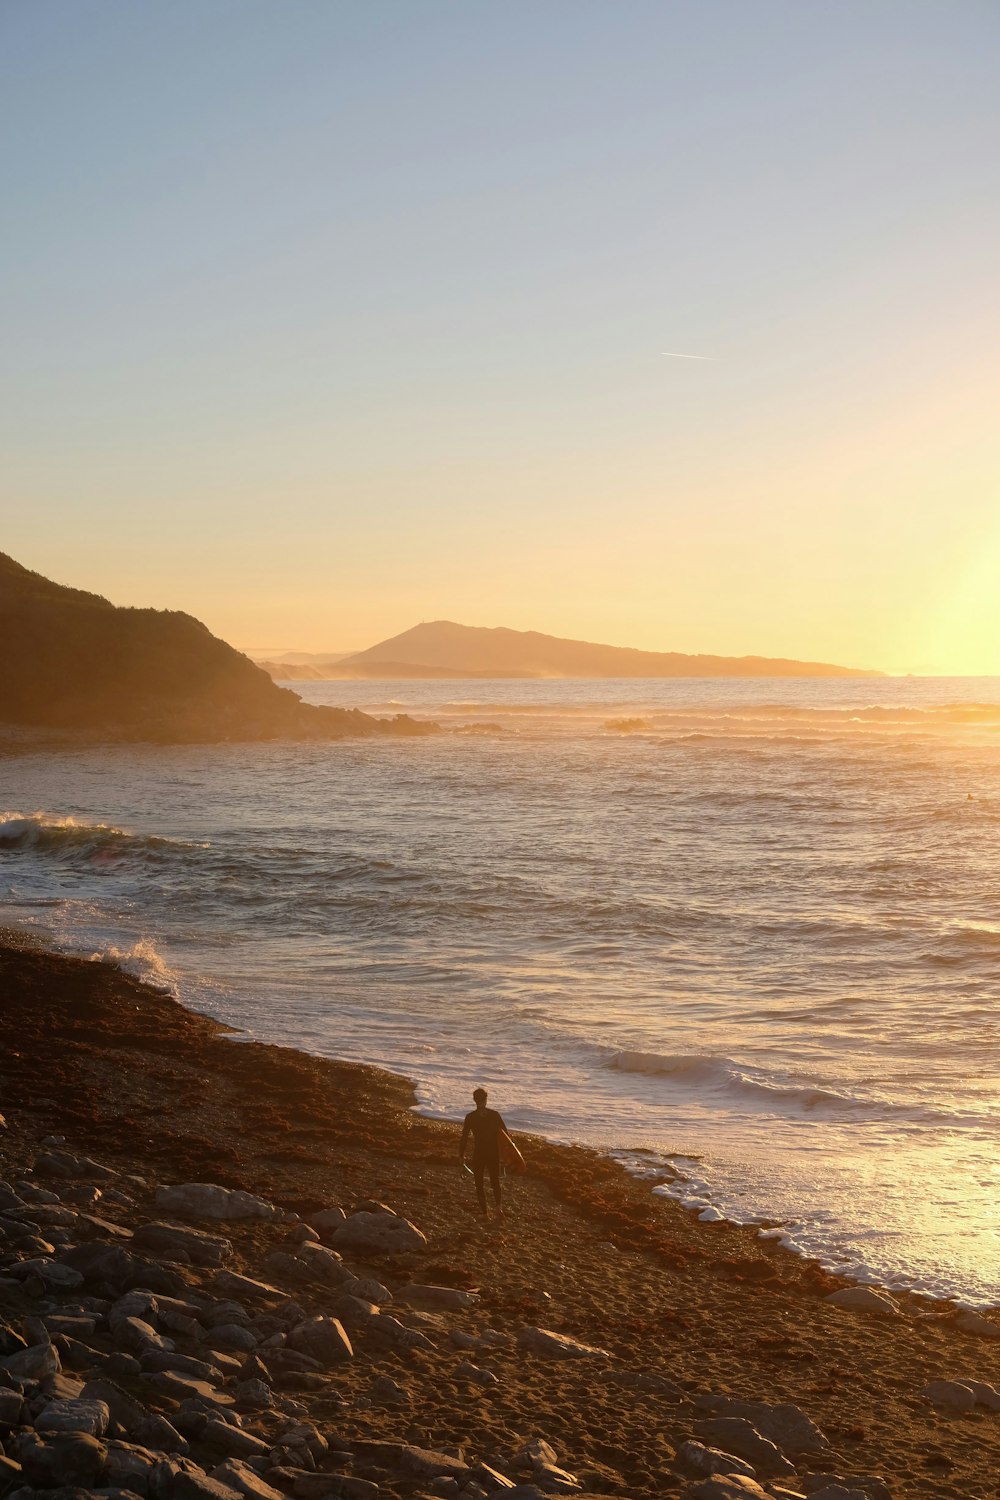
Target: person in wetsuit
{"type": "Point", "coordinates": [487, 1130]}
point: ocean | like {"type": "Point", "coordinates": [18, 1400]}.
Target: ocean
{"type": "Point", "coordinates": [745, 934]}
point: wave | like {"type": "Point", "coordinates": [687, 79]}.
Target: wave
{"type": "Point", "coordinates": [720, 1075]}
{"type": "Point", "coordinates": [70, 839]}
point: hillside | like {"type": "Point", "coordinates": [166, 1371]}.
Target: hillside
{"type": "Point", "coordinates": [71, 662]}
{"type": "Point", "coordinates": [441, 648]}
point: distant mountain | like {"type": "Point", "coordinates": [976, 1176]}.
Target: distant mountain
{"type": "Point", "coordinates": [444, 649]}
{"type": "Point", "coordinates": [72, 663]}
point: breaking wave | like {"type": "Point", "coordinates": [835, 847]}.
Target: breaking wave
{"type": "Point", "coordinates": [69, 839]}
{"type": "Point", "coordinates": [722, 1076]}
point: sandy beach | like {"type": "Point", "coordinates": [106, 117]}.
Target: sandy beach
{"type": "Point", "coordinates": [687, 1312]}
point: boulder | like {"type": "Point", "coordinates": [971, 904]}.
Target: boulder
{"type": "Point", "coordinates": [206, 1200]}
{"type": "Point", "coordinates": [727, 1487]}
{"type": "Point", "coordinates": [72, 1458]}
{"type": "Point", "coordinates": [79, 1415]}
{"type": "Point", "coordinates": [378, 1234]}
{"type": "Point", "coordinates": [245, 1481]}
{"type": "Point", "coordinates": [986, 1395]}
{"type": "Point", "coordinates": [230, 1338]}
{"type": "Point", "coordinates": [129, 1466]}
{"type": "Point", "coordinates": [973, 1322]}
{"type": "Point", "coordinates": [549, 1345]}
{"type": "Point", "coordinates": [183, 1387]}
{"type": "Point", "coordinates": [784, 1424]}
{"type": "Point", "coordinates": [697, 1461]}
{"type": "Point", "coordinates": [873, 1485]}
{"type": "Point", "coordinates": [737, 1435]}
{"type": "Point", "coordinates": [953, 1395]}
{"type": "Point", "coordinates": [52, 1274]}
{"type": "Point", "coordinates": [233, 1441]}
{"type": "Point", "coordinates": [33, 1363]}
{"type": "Point", "coordinates": [322, 1262]}
{"type": "Point", "coordinates": [187, 1244]}
{"type": "Point", "coordinates": [839, 1492]}
{"type": "Point", "coordinates": [11, 1406]}
{"type": "Point", "coordinates": [449, 1298]}
{"type": "Point", "coordinates": [154, 1431]}
{"type": "Point", "coordinates": [865, 1299]}
{"type": "Point", "coordinates": [65, 1164]}
{"type": "Point", "coordinates": [323, 1339]}
{"type": "Point", "coordinates": [229, 1284]}
{"type": "Point", "coordinates": [98, 1262]}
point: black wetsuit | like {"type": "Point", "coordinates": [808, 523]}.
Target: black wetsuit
{"type": "Point", "coordinates": [485, 1126]}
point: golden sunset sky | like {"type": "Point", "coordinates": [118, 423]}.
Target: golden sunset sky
{"type": "Point", "coordinates": [320, 320]}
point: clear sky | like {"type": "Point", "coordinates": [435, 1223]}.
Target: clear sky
{"type": "Point", "coordinates": [320, 319]}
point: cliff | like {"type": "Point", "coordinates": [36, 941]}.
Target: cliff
{"type": "Point", "coordinates": [72, 663]}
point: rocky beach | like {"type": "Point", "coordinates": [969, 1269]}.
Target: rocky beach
{"type": "Point", "coordinates": [236, 1269]}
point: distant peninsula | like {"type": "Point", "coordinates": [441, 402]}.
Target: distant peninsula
{"type": "Point", "coordinates": [443, 649]}
{"type": "Point", "coordinates": [75, 667]}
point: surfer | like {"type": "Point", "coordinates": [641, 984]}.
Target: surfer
{"type": "Point", "coordinates": [489, 1135]}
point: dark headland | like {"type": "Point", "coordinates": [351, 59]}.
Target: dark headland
{"type": "Point", "coordinates": [441, 648]}
{"type": "Point", "coordinates": [324, 1346]}
{"type": "Point", "coordinates": [74, 665]}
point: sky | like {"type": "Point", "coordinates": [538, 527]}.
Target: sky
{"type": "Point", "coordinates": [319, 320]}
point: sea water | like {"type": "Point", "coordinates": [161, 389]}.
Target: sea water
{"type": "Point", "coordinates": [744, 933]}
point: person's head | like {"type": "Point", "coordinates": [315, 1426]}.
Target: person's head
{"type": "Point", "coordinates": [479, 1096]}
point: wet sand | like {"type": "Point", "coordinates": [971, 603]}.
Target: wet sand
{"type": "Point", "coordinates": [686, 1309]}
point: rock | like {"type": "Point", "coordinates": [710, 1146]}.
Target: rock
{"type": "Point", "coordinates": [433, 1297]}
{"type": "Point", "coordinates": [951, 1394]}
{"type": "Point", "coordinates": [477, 1375]}
{"type": "Point", "coordinates": [229, 1284]}
{"type": "Point", "coordinates": [33, 1363]}
{"type": "Point", "coordinates": [233, 1441]}
{"type": "Point", "coordinates": [80, 1415]}
{"type": "Point", "coordinates": [491, 1480]}
{"type": "Point", "coordinates": [548, 1345]}
{"type": "Point", "coordinates": [231, 1337]}
{"type": "Point", "coordinates": [206, 1200]}
{"type": "Point", "coordinates": [64, 1459]}
{"type": "Point", "coordinates": [11, 1475]}
{"type": "Point", "coordinates": [865, 1299]}
{"type": "Point", "coordinates": [838, 1492]}
{"type": "Point", "coordinates": [154, 1431]}
{"type": "Point", "coordinates": [737, 1435]}
{"type": "Point", "coordinates": [973, 1322]}
{"type": "Point", "coordinates": [198, 1486]}
{"type": "Point", "coordinates": [65, 1164]}
{"type": "Point", "coordinates": [193, 1244]}
{"type": "Point", "coordinates": [51, 1273]}
{"type": "Point", "coordinates": [327, 1220]}
{"type": "Point", "coordinates": [184, 1364]}
{"type": "Point", "coordinates": [245, 1481]}
{"type": "Point", "coordinates": [698, 1461]}
{"type": "Point", "coordinates": [785, 1425]}
{"type": "Point", "coordinates": [323, 1339]}
{"type": "Point", "coordinates": [873, 1485]}
{"type": "Point", "coordinates": [324, 1263]}
{"type": "Point", "coordinates": [123, 1409]}
{"type": "Point", "coordinates": [387, 1392]}
{"type": "Point", "coordinates": [129, 1466]}
{"type": "Point", "coordinates": [183, 1387]}
{"type": "Point", "coordinates": [11, 1406]}
{"type": "Point", "coordinates": [378, 1234]}
{"type": "Point", "coordinates": [728, 1487]}
{"type": "Point", "coordinates": [986, 1395]}
{"type": "Point", "coordinates": [136, 1335]}
{"type": "Point", "coordinates": [407, 1459]}
{"type": "Point", "coordinates": [108, 1263]}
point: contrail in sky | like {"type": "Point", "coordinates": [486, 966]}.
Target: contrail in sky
{"type": "Point", "coordinates": [670, 354]}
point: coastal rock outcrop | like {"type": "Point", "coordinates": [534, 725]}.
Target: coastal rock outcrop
{"type": "Point", "coordinates": [206, 1200]}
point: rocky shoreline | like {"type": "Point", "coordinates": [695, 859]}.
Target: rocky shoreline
{"type": "Point", "coordinates": [237, 1270]}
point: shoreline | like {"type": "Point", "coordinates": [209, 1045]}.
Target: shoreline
{"type": "Point", "coordinates": [131, 1076]}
